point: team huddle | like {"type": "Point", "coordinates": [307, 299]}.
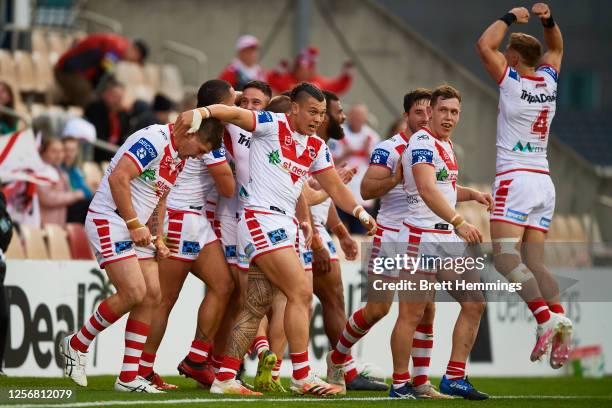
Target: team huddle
{"type": "Point", "coordinates": [242, 192]}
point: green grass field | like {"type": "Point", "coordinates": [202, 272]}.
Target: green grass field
{"type": "Point", "coordinates": [505, 392]}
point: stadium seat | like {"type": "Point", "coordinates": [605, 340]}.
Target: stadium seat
{"type": "Point", "coordinates": [26, 79]}
{"type": "Point", "coordinates": [171, 83]}
{"type": "Point", "coordinates": [137, 86]}
{"type": "Point", "coordinates": [34, 242]}
{"type": "Point", "coordinates": [79, 246]}
{"type": "Point", "coordinates": [7, 67]}
{"type": "Point", "coordinates": [39, 42]}
{"type": "Point", "coordinates": [57, 242]}
{"type": "Point", "coordinates": [152, 74]}
{"type": "Point", "coordinates": [75, 111]}
{"type": "Point", "coordinates": [93, 175]}
{"type": "Point", "coordinates": [43, 71]}
{"type": "Point", "coordinates": [15, 249]}
{"type": "Point", "coordinates": [57, 42]}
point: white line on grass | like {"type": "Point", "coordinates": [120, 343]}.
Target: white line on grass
{"type": "Point", "coordinates": [251, 400]}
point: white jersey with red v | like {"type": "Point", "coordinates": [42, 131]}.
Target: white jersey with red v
{"type": "Point", "coordinates": [426, 149]}
{"type": "Point", "coordinates": [281, 160]}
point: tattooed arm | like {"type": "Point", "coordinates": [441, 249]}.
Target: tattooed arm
{"type": "Point", "coordinates": [156, 226]}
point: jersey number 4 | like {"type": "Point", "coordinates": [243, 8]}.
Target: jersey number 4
{"type": "Point", "coordinates": [540, 125]}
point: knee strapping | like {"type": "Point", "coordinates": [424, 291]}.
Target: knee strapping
{"type": "Point", "coordinates": [520, 274]}
{"type": "Point", "coordinates": [507, 246]}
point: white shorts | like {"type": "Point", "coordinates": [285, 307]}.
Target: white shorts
{"type": "Point", "coordinates": [227, 230]}
{"type": "Point", "coordinates": [187, 232]}
{"type": "Point", "coordinates": [430, 244]}
{"type": "Point", "coordinates": [384, 244]}
{"type": "Point", "coordinates": [524, 198]}
{"type": "Point", "coordinates": [304, 253]}
{"type": "Point", "coordinates": [262, 232]}
{"type": "Point", "coordinates": [110, 239]}
{"type": "Point", "coordinates": [328, 243]}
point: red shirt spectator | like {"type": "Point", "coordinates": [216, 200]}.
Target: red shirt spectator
{"type": "Point", "coordinates": [244, 67]}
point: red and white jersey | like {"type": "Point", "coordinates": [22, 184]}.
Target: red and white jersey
{"type": "Point", "coordinates": [195, 183]}
{"type": "Point", "coordinates": [237, 142]}
{"type": "Point", "coordinates": [425, 148]}
{"type": "Point", "coordinates": [527, 105]}
{"type": "Point", "coordinates": [320, 212]}
{"type": "Point", "coordinates": [153, 151]}
{"type": "Point", "coordinates": [281, 161]}
{"type": "Point", "coordinates": [388, 153]}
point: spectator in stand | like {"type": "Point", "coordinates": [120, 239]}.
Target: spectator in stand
{"type": "Point", "coordinates": [55, 199]}
{"type": "Point", "coordinates": [244, 67]}
{"type": "Point", "coordinates": [109, 117]}
{"type": "Point", "coordinates": [396, 127]}
{"type": "Point", "coordinates": [355, 149]}
{"type": "Point", "coordinates": [80, 69]}
{"type": "Point", "coordinates": [8, 123]}
{"type": "Point", "coordinates": [158, 114]}
{"type": "Point", "coordinates": [305, 70]}
{"type": "Point", "coordinates": [78, 210]}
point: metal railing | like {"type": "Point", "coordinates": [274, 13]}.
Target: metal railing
{"type": "Point", "coordinates": [92, 17]}
{"type": "Point", "coordinates": [198, 56]}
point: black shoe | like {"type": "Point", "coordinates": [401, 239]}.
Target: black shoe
{"type": "Point", "coordinates": [462, 388]}
{"type": "Point", "coordinates": [363, 383]}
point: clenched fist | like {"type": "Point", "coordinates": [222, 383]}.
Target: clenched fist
{"type": "Point", "coordinates": [541, 10]}
{"type": "Point", "coordinates": [521, 13]}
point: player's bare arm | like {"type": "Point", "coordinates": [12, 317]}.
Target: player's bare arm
{"type": "Point", "coordinates": [313, 197]}
{"type": "Point", "coordinates": [552, 37]}
{"type": "Point", "coordinates": [119, 182]}
{"type": "Point", "coordinates": [469, 194]}
{"type": "Point", "coordinates": [425, 179]}
{"type": "Point", "coordinates": [343, 198]}
{"type": "Point", "coordinates": [379, 180]}
{"type": "Point", "coordinates": [489, 42]}
{"type": "Point", "coordinates": [224, 179]}
{"type": "Point", "coordinates": [347, 243]}
{"type": "Point", "coordinates": [156, 228]}
{"type": "Point", "coordinates": [302, 213]}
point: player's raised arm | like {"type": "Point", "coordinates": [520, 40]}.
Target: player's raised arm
{"type": "Point", "coordinates": [489, 42]}
{"type": "Point", "coordinates": [552, 37]}
{"type": "Point", "coordinates": [189, 121]}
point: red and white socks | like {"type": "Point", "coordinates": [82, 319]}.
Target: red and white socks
{"type": "Point", "coordinates": [145, 368]}
{"type": "Point", "coordinates": [400, 379]}
{"type": "Point", "coordinates": [301, 365]}
{"type": "Point", "coordinates": [556, 308]}
{"type": "Point", "coordinates": [260, 344]}
{"type": "Point", "coordinates": [349, 369]}
{"type": "Point", "coordinates": [540, 310]}
{"type": "Point", "coordinates": [198, 353]}
{"type": "Point", "coordinates": [229, 369]}
{"type": "Point", "coordinates": [276, 370]}
{"type": "Point", "coordinates": [455, 370]}
{"type": "Point", "coordinates": [99, 320]}
{"type": "Point", "coordinates": [356, 327]}
{"type": "Point", "coordinates": [135, 337]}
{"type": "Point", "coordinates": [422, 344]}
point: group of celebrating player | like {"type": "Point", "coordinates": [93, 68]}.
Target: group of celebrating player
{"type": "Point", "coordinates": [240, 196]}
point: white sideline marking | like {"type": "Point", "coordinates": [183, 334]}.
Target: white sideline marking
{"type": "Point", "coordinates": [255, 400]}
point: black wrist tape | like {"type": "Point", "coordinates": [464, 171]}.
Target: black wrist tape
{"type": "Point", "coordinates": [548, 22]}
{"type": "Point", "coordinates": [508, 18]}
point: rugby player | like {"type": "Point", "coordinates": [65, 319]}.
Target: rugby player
{"type": "Point", "coordinates": [430, 173]}
{"type": "Point", "coordinates": [194, 248]}
{"type": "Point", "coordinates": [523, 190]}
{"type": "Point", "coordinates": [284, 151]}
{"type": "Point", "coordinates": [383, 180]}
{"type": "Point", "coordinates": [138, 178]}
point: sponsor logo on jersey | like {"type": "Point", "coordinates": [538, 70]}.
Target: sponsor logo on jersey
{"type": "Point", "coordinates": [218, 153]}
{"type": "Point", "coordinates": [293, 169]}
{"type": "Point", "coordinates": [379, 156]}
{"type": "Point", "coordinates": [332, 247]}
{"type": "Point", "coordinates": [541, 98]}
{"type": "Point", "coordinates": [327, 155]}
{"type": "Point", "coordinates": [422, 156]}
{"type": "Point", "coordinates": [312, 153]}
{"type": "Point", "coordinates": [277, 236]}
{"type": "Point", "coordinates": [527, 148]}
{"type": "Point", "coordinates": [249, 249]}
{"type": "Point", "coordinates": [516, 215]}
{"type": "Point", "coordinates": [545, 222]}
{"type": "Point", "coordinates": [164, 135]}
{"type": "Point", "coordinates": [148, 175]}
{"type": "Point", "coordinates": [412, 198]}
{"type": "Point", "coordinates": [264, 117]}
{"type": "Point", "coordinates": [230, 251]}
{"type": "Point", "coordinates": [244, 140]}
{"type": "Point", "coordinates": [307, 256]}
{"type": "Point", "coordinates": [274, 157]}
{"type": "Point", "coordinates": [144, 151]}
{"type": "Point", "coordinates": [242, 192]}
{"type": "Point", "coordinates": [423, 137]}
{"type": "Point", "coordinates": [442, 174]}
{"type": "Point", "coordinates": [123, 246]}
{"type": "Point", "coordinates": [190, 248]}
{"type": "Point", "coordinates": [513, 74]}
{"type": "Point", "coordinates": [549, 70]}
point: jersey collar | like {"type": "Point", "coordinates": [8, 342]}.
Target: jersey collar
{"type": "Point", "coordinates": [172, 142]}
{"type": "Point", "coordinates": [403, 135]}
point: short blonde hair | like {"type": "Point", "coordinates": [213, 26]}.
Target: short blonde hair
{"type": "Point", "coordinates": [527, 46]}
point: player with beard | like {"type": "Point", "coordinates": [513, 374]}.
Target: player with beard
{"type": "Point", "coordinates": [284, 151]}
